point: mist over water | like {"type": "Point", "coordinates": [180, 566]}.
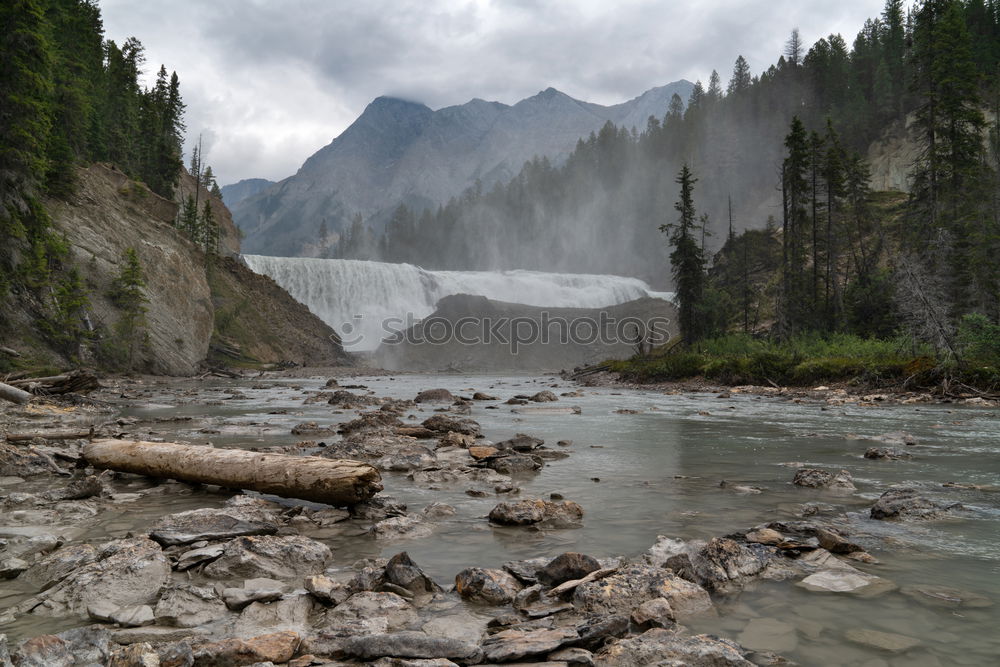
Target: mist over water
{"type": "Point", "coordinates": [358, 297]}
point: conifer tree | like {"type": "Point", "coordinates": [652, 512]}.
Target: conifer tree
{"type": "Point", "coordinates": [741, 78]}
{"type": "Point", "coordinates": [687, 260]}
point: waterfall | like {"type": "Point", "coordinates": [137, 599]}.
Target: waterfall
{"type": "Point", "coordinates": [357, 297]}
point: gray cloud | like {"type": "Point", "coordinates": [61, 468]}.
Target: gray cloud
{"type": "Point", "coordinates": [273, 81]}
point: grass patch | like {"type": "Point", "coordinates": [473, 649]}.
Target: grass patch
{"type": "Point", "coordinates": [802, 361]}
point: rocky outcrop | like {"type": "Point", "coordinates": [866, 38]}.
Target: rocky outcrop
{"type": "Point", "coordinates": [108, 213]}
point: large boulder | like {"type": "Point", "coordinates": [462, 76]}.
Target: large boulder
{"type": "Point", "coordinates": [566, 567]}
{"type": "Point", "coordinates": [722, 561]}
{"type": "Point", "coordinates": [241, 516]}
{"type": "Point", "coordinates": [624, 591]}
{"type": "Point", "coordinates": [906, 503]}
{"type": "Point", "coordinates": [494, 587]}
{"type": "Point", "coordinates": [541, 513]}
{"type": "Point", "coordinates": [125, 573]}
{"type": "Point", "coordinates": [815, 478]}
{"type": "Point", "coordinates": [434, 396]}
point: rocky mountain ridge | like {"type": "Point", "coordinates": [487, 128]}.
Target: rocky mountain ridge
{"type": "Point", "coordinates": [402, 152]}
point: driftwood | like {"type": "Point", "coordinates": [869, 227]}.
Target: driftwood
{"type": "Point", "coordinates": [330, 481]}
{"type": "Point", "coordinates": [9, 351]}
{"type": "Point", "coordinates": [78, 381]}
{"type": "Point", "coordinates": [14, 394]}
{"type": "Point", "coordinates": [52, 435]}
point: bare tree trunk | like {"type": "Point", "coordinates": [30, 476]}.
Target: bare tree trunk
{"type": "Point", "coordinates": [330, 481]}
{"type": "Point", "coordinates": [13, 394]}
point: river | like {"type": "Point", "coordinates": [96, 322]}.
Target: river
{"type": "Point", "coordinates": [644, 464]}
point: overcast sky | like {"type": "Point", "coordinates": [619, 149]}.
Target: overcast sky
{"type": "Point", "coordinates": [269, 82]}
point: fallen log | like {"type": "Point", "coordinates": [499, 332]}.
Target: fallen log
{"type": "Point", "coordinates": [53, 435]}
{"type": "Point", "coordinates": [13, 394]}
{"type": "Point", "coordinates": [330, 481]}
{"type": "Point", "coordinates": [78, 381]}
{"type": "Point", "coordinates": [9, 351]}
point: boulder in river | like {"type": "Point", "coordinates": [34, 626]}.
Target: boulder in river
{"type": "Point", "coordinates": [435, 396]}
{"type": "Point", "coordinates": [625, 590]}
{"type": "Point", "coordinates": [445, 424]}
{"type": "Point", "coordinates": [544, 396]}
{"type": "Point", "coordinates": [722, 561]}
{"type": "Point", "coordinates": [242, 515]}
{"type": "Point", "coordinates": [905, 503]}
{"type": "Point", "coordinates": [514, 463]}
{"type": "Point", "coordinates": [403, 572]}
{"type": "Point", "coordinates": [815, 478]}
{"type": "Point", "coordinates": [536, 512]}
{"type": "Point", "coordinates": [887, 453]}
{"type": "Point", "coordinates": [289, 557]}
{"type": "Point", "coordinates": [494, 587]}
{"type": "Point", "coordinates": [567, 566]}
{"type": "Point", "coordinates": [520, 443]}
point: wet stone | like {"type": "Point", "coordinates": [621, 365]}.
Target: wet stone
{"type": "Point", "coordinates": [567, 566]}
{"type": "Point", "coordinates": [823, 479]}
{"type": "Point", "coordinates": [435, 396]}
{"type": "Point", "coordinates": [887, 453]}
{"type": "Point", "coordinates": [276, 647]}
{"type": "Point", "coordinates": [625, 590]}
{"type": "Point", "coordinates": [494, 587]}
{"type": "Point", "coordinates": [542, 513]}
{"type": "Point", "coordinates": [907, 504]}
{"type": "Point", "coordinates": [520, 443]}
{"type": "Point", "coordinates": [269, 556]}
{"type": "Point", "coordinates": [247, 516]}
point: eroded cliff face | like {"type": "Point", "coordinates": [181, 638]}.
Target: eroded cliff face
{"type": "Point", "coordinates": [893, 156]}
{"type": "Point", "coordinates": [110, 213]}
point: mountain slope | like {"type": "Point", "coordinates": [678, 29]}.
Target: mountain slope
{"type": "Point", "coordinates": [402, 152]}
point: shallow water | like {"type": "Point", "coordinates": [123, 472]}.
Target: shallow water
{"type": "Point", "coordinates": [658, 472]}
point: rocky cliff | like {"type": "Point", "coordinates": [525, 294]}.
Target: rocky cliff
{"type": "Point", "coordinates": [399, 151]}
{"type": "Point", "coordinates": [194, 308]}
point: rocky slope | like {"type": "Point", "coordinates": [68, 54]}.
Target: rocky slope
{"type": "Point", "coordinates": [188, 306]}
{"type": "Point", "coordinates": [403, 152]}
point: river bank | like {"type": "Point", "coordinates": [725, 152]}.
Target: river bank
{"type": "Point", "coordinates": [834, 393]}
{"type": "Point", "coordinates": [616, 468]}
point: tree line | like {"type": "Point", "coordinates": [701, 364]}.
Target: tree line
{"type": "Point", "coordinates": [70, 97]}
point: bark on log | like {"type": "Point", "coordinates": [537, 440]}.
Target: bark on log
{"type": "Point", "coordinates": [13, 394]}
{"type": "Point", "coordinates": [330, 481]}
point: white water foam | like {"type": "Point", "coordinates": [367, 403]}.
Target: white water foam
{"type": "Point", "coordinates": [357, 297]}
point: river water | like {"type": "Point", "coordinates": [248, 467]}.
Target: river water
{"type": "Point", "coordinates": [645, 463]}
